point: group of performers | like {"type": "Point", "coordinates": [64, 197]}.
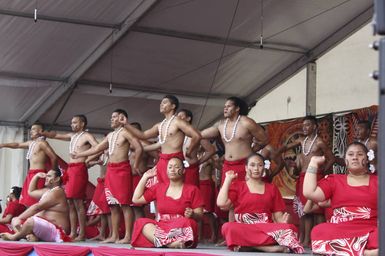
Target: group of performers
{"type": "Point", "coordinates": [182, 188]}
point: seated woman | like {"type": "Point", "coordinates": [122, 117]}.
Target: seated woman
{"type": "Point", "coordinates": [261, 223]}
{"type": "Point", "coordinates": [179, 207]}
{"type": "Point", "coordinates": [13, 209]}
{"type": "Point", "coordinates": [353, 227]}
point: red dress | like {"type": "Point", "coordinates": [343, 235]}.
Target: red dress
{"type": "Point", "coordinates": [172, 225]}
{"type": "Point", "coordinates": [15, 209]}
{"type": "Point", "coordinates": [353, 226]}
{"type": "Point", "coordinates": [253, 215]}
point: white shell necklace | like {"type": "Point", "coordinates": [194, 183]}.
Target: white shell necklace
{"type": "Point", "coordinates": [234, 129]}
{"type": "Point", "coordinates": [112, 141]}
{"type": "Point", "coordinates": [311, 145]}
{"type": "Point", "coordinates": [31, 148]}
{"type": "Point", "coordinates": [160, 128]}
{"type": "Point", "coordinates": [74, 141]}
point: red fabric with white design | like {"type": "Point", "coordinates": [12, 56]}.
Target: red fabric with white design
{"type": "Point", "coordinates": [353, 226]}
{"type": "Point", "coordinates": [172, 226]}
{"type": "Point", "coordinates": [300, 200]}
{"type": "Point", "coordinates": [99, 203]}
{"type": "Point", "coordinates": [253, 213]}
{"type": "Point", "coordinates": [118, 183]}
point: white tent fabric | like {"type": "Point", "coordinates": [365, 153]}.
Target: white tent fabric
{"type": "Point", "coordinates": [200, 50]}
{"type": "Point", "coordinates": [11, 161]}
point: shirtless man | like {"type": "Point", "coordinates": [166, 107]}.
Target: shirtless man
{"type": "Point", "coordinates": [236, 131]}
{"type": "Point", "coordinates": [46, 220]}
{"type": "Point", "coordinates": [171, 133]}
{"type": "Point", "coordinates": [118, 180]}
{"type": "Point", "coordinates": [80, 140]}
{"type": "Point", "coordinates": [192, 171]}
{"type": "Point", "coordinates": [312, 145]}
{"type": "Point", "coordinates": [363, 136]}
{"type": "Point", "coordinates": [38, 153]}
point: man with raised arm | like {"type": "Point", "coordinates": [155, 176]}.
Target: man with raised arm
{"type": "Point", "coordinates": [38, 153]}
{"type": "Point", "coordinates": [236, 132]}
{"type": "Point", "coordinates": [171, 133]}
{"type": "Point", "coordinates": [47, 220]}
{"type": "Point", "coordinates": [118, 180]}
{"type": "Point", "coordinates": [80, 140]}
{"type": "Point", "coordinates": [312, 145]}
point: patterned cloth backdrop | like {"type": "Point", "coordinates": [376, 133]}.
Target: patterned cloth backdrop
{"type": "Point", "coordinates": [337, 131]}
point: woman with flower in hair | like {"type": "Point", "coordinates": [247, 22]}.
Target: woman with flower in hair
{"type": "Point", "coordinates": [353, 227]}
{"type": "Point", "coordinates": [13, 209]}
{"type": "Point", "coordinates": [179, 207]}
{"type": "Point", "coordinates": [260, 217]}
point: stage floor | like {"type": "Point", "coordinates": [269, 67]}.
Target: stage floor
{"type": "Point", "coordinates": [206, 249]}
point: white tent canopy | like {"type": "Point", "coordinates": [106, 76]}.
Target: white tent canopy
{"type": "Point", "coordinates": [203, 51]}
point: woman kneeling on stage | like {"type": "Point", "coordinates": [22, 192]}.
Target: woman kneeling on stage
{"type": "Point", "coordinates": [179, 206]}
{"type": "Point", "coordinates": [260, 218]}
{"type": "Point", "coordinates": [353, 227]}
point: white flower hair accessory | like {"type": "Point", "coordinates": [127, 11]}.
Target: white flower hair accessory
{"type": "Point", "coordinates": [267, 164]}
{"type": "Point", "coordinates": [370, 155]}
{"type": "Point", "coordinates": [372, 169]}
{"type": "Point", "coordinates": [186, 164]}
{"type": "Point", "coordinates": [11, 191]}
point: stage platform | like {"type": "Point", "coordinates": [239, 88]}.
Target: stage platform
{"type": "Point", "coordinates": [22, 248]}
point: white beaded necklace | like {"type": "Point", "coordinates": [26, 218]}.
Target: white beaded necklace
{"type": "Point", "coordinates": [234, 129]}
{"type": "Point", "coordinates": [311, 145]}
{"type": "Point", "coordinates": [112, 141]}
{"type": "Point", "coordinates": [74, 141]}
{"type": "Point", "coordinates": [31, 148]}
{"type": "Point", "coordinates": [160, 128]}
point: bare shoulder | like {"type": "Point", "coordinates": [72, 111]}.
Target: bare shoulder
{"type": "Point", "coordinates": [248, 121]}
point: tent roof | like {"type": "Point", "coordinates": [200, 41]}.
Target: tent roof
{"type": "Point", "coordinates": [201, 51]}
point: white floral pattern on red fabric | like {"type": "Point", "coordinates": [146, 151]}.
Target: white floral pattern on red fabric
{"type": "Point", "coordinates": [110, 198]}
{"type": "Point", "coordinates": [288, 238]}
{"type": "Point", "coordinates": [346, 246]}
{"type": "Point", "coordinates": [251, 218]}
{"type": "Point", "coordinates": [93, 209]}
{"type": "Point", "coordinates": [298, 207]}
{"type": "Point", "coordinates": [345, 214]}
{"type": "Point", "coordinates": [163, 238]}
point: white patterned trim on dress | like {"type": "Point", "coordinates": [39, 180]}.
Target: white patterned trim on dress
{"type": "Point", "coordinates": [344, 246]}
{"type": "Point", "coordinates": [110, 198]}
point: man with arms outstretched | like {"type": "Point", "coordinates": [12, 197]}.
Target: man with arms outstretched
{"type": "Point", "coordinates": [38, 153]}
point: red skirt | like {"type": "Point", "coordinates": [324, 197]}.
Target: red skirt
{"type": "Point", "coordinates": [208, 194]}
{"type": "Point", "coordinates": [238, 166]}
{"type": "Point", "coordinates": [6, 228]}
{"type": "Point", "coordinates": [77, 173]}
{"type": "Point", "coordinates": [161, 166]}
{"type": "Point", "coordinates": [24, 197]}
{"type": "Point", "coordinates": [166, 232]}
{"type": "Point", "coordinates": [118, 183]}
{"type": "Point", "coordinates": [251, 235]}
{"type": "Point", "coordinates": [99, 203]}
{"type": "Point", "coordinates": [349, 238]}
{"type": "Point", "coordinates": [191, 175]}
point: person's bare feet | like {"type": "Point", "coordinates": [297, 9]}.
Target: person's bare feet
{"type": "Point", "coordinates": [177, 245]}
{"type": "Point", "coordinates": [221, 243]}
{"type": "Point", "coordinates": [98, 238]}
{"type": "Point", "coordinates": [32, 238]}
{"type": "Point", "coordinates": [110, 240]}
{"type": "Point", "coordinates": [125, 240]}
{"type": "Point", "coordinates": [79, 239]}
{"type": "Point", "coordinates": [7, 237]}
